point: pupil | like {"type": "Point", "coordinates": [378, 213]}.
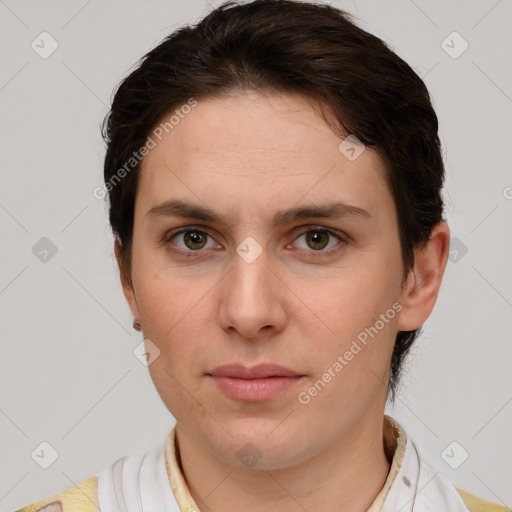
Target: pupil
{"type": "Point", "coordinates": [194, 237]}
{"type": "Point", "coordinates": [315, 236]}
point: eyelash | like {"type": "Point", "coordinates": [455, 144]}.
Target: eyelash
{"type": "Point", "coordinates": [317, 254]}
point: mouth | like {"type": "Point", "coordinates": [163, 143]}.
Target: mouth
{"type": "Point", "coordinates": [254, 384]}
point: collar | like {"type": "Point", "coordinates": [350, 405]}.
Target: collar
{"type": "Point", "coordinates": [395, 442]}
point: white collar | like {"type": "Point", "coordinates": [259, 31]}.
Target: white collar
{"type": "Point", "coordinates": [419, 487]}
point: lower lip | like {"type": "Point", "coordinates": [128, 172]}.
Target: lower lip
{"type": "Point", "coordinates": [254, 390]}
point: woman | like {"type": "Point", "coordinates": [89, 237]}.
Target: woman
{"type": "Point", "coordinates": [274, 178]}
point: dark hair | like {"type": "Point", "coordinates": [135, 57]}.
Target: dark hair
{"type": "Point", "coordinates": [314, 50]}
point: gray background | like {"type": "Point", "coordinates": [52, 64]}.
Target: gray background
{"type": "Point", "coordinates": [68, 373]}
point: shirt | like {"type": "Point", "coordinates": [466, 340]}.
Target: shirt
{"type": "Point", "coordinates": [154, 482]}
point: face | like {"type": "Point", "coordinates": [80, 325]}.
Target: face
{"type": "Point", "coordinates": [252, 283]}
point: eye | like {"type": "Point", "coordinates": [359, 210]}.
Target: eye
{"type": "Point", "coordinates": [318, 238]}
{"type": "Point", "coordinates": [193, 239]}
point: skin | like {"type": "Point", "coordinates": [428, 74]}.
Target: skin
{"type": "Point", "coordinates": [246, 156]}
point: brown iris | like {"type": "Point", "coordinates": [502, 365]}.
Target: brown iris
{"type": "Point", "coordinates": [197, 239]}
{"type": "Point", "coordinates": [314, 238]}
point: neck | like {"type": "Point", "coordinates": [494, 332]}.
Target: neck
{"type": "Point", "coordinates": [347, 476]}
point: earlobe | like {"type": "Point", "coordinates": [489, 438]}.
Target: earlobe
{"type": "Point", "coordinates": [424, 280]}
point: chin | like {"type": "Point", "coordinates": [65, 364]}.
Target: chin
{"type": "Point", "coordinates": [262, 443]}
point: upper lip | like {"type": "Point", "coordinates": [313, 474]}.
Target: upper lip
{"type": "Point", "coordinates": [259, 371]}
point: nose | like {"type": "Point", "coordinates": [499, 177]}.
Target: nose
{"type": "Point", "coordinates": [252, 299]}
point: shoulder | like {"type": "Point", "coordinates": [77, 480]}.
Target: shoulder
{"type": "Point", "coordinates": [475, 504]}
{"type": "Point", "coordinates": [81, 497]}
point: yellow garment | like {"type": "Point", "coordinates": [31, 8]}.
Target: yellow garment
{"type": "Point", "coordinates": [83, 497]}
{"type": "Point", "coordinates": [478, 505]}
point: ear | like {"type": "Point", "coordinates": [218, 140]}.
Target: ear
{"type": "Point", "coordinates": [424, 279]}
{"type": "Point", "coordinates": [126, 281]}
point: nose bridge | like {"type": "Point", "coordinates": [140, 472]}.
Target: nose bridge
{"type": "Point", "coordinates": [251, 276]}
{"type": "Point", "coordinates": [249, 296]}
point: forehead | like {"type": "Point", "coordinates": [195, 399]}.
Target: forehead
{"type": "Point", "coordinates": [253, 150]}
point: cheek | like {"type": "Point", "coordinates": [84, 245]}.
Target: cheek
{"type": "Point", "coordinates": [163, 296]}
{"type": "Point", "coordinates": [348, 312]}
{"type": "Point", "coordinates": [352, 367]}
{"type": "Point", "coordinates": [349, 300]}
{"type": "Point", "coordinates": [174, 314]}
{"type": "Point", "coordinates": [174, 325]}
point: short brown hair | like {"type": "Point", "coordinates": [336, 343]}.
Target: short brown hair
{"type": "Point", "coordinates": [311, 49]}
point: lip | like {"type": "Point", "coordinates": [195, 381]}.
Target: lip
{"type": "Point", "coordinates": [260, 371]}
{"type": "Point", "coordinates": [254, 384]}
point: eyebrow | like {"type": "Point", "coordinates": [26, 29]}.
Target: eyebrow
{"type": "Point", "coordinates": [185, 209]}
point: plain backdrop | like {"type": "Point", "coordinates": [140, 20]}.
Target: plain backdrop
{"type": "Point", "coordinates": [68, 373]}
